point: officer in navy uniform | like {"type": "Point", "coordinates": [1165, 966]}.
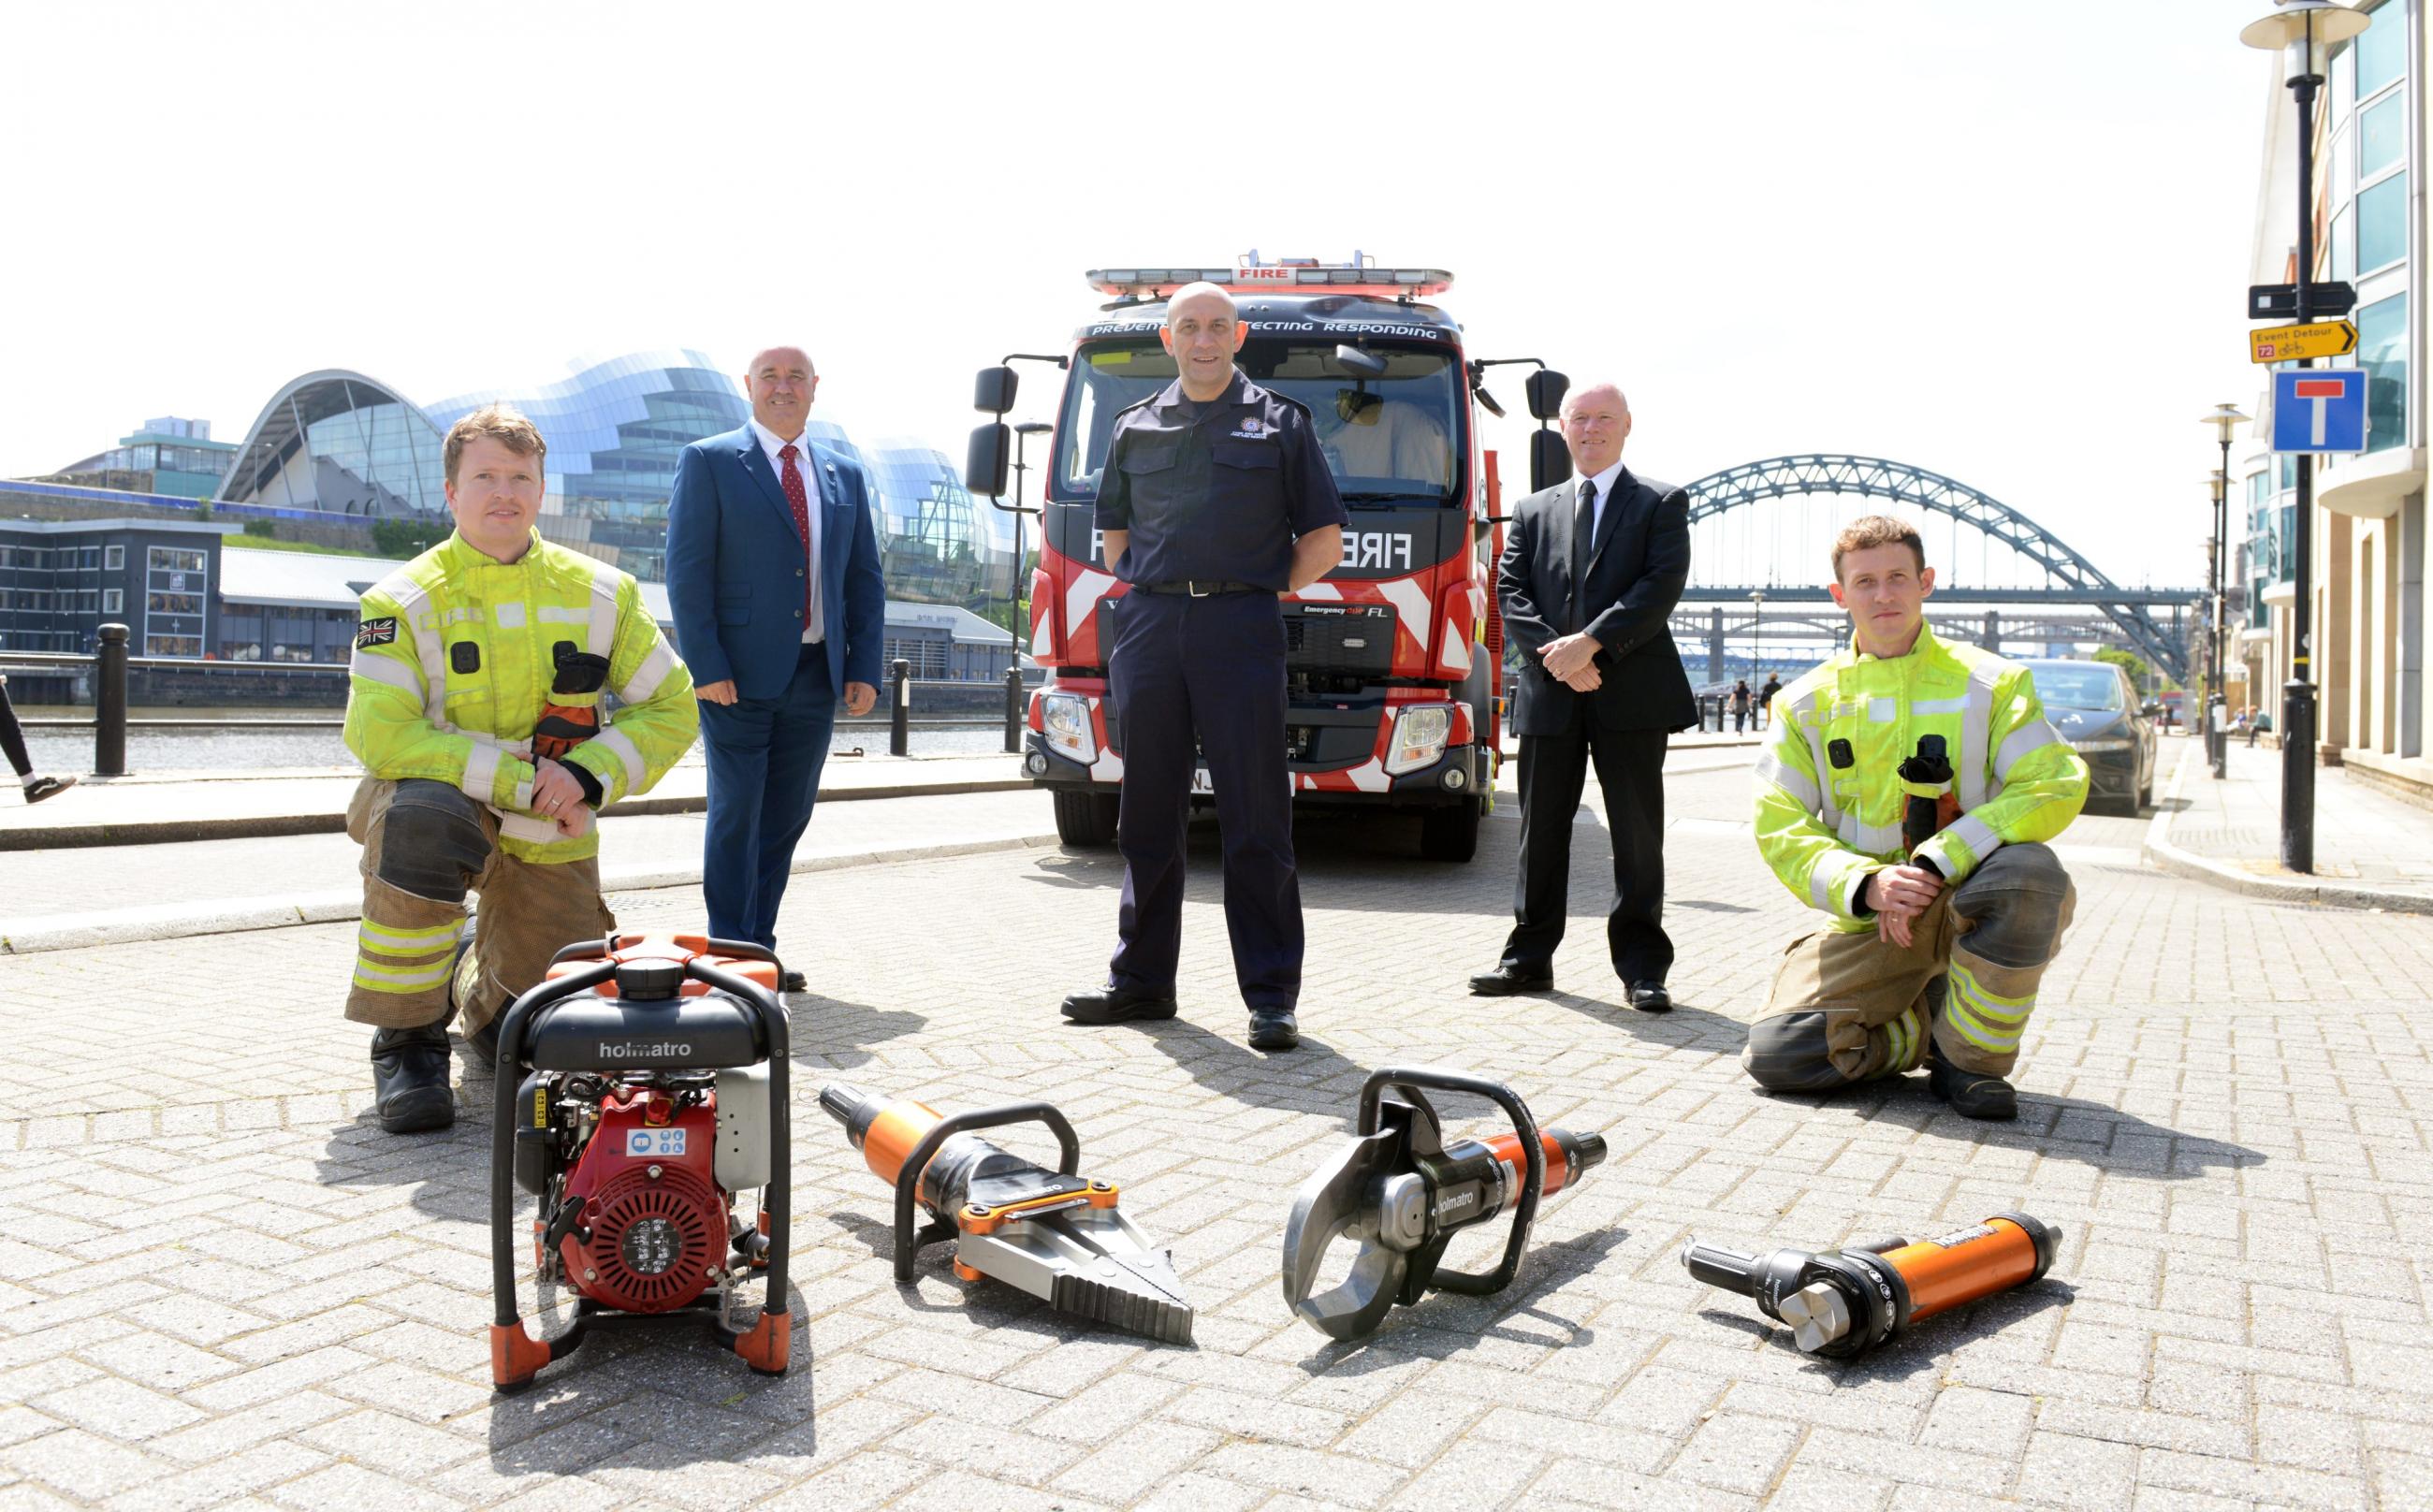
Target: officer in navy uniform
{"type": "Point", "coordinates": [1215, 498]}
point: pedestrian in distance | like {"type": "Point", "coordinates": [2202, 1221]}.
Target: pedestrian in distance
{"type": "Point", "coordinates": [1740, 705]}
{"type": "Point", "coordinates": [13, 743]}
{"type": "Point", "coordinates": [473, 702]}
{"type": "Point", "coordinates": [1215, 499]}
{"type": "Point", "coordinates": [1589, 579]}
{"type": "Point", "coordinates": [780, 607]}
{"type": "Point", "coordinates": [1765, 700]}
{"type": "Point", "coordinates": [1935, 937]}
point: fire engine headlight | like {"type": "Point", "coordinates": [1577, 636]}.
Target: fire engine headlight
{"type": "Point", "coordinates": [1419, 735]}
{"type": "Point", "coordinates": [1065, 718]}
{"type": "Point", "coordinates": [2101, 746]}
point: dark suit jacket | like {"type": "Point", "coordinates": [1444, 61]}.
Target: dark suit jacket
{"type": "Point", "coordinates": [1640, 566]}
{"type": "Point", "coordinates": [735, 566]}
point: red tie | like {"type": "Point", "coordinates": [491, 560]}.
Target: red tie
{"type": "Point", "coordinates": [791, 480]}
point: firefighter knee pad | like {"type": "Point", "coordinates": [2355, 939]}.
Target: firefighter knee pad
{"type": "Point", "coordinates": [432, 842]}
{"type": "Point", "coordinates": [1789, 1053]}
{"type": "Point", "coordinates": [2015, 904]}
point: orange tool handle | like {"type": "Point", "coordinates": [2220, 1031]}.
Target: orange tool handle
{"type": "Point", "coordinates": [894, 1134]}
{"type": "Point", "coordinates": [1562, 1170]}
{"type": "Point", "coordinates": [1960, 1267]}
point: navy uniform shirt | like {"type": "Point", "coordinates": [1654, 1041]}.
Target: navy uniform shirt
{"type": "Point", "coordinates": [1216, 492]}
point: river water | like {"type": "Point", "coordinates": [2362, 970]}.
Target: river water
{"type": "Point", "coordinates": [71, 750]}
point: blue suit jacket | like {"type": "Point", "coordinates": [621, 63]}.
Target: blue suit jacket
{"type": "Point", "coordinates": [735, 566]}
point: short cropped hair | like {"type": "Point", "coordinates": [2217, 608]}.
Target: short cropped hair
{"type": "Point", "coordinates": [1870, 531]}
{"type": "Point", "coordinates": [500, 423]}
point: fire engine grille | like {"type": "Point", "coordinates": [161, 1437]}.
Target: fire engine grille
{"type": "Point", "coordinates": [1346, 637]}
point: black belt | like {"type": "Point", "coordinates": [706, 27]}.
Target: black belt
{"type": "Point", "coordinates": [1202, 587]}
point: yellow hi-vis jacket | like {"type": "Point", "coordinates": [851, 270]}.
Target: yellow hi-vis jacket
{"type": "Point", "coordinates": [1825, 825]}
{"type": "Point", "coordinates": [453, 660]}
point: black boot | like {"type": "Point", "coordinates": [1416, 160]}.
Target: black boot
{"type": "Point", "coordinates": [410, 1079]}
{"type": "Point", "coordinates": [1274, 1028]}
{"type": "Point", "coordinates": [1971, 1093]}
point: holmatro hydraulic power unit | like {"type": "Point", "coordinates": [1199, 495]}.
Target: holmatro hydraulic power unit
{"type": "Point", "coordinates": [641, 1087]}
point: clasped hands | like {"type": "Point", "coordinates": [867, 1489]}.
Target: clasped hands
{"type": "Point", "coordinates": [1899, 894]}
{"type": "Point", "coordinates": [557, 796]}
{"type": "Point", "coordinates": [1571, 660]}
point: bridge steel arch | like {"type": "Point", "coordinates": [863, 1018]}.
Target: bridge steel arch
{"type": "Point", "coordinates": [1901, 484]}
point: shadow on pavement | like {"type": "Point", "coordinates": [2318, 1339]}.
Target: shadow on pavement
{"type": "Point", "coordinates": [2070, 1129]}
{"type": "Point", "coordinates": [1445, 1324]}
{"type": "Point", "coordinates": [839, 1035]}
{"type": "Point", "coordinates": [1921, 1347]}
{"type": "Point", "coordinates": [1686, 1026]}
{"type": "Point", "coordinates": [1315, 1078]}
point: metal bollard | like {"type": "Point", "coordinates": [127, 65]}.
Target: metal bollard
{"type": "Point", "coordinates": [1014, 710]}
{"type": "Point", "coordinates": [109, 704]}
{"type": "Point", "coordinates": [899, 735]}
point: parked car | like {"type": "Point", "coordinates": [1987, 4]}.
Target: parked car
{"type": "Point", "coordinates": [2094, 708]}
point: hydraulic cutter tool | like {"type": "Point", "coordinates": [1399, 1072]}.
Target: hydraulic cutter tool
{"type": "Point", "coordinates": [1841, 1303]}
{"type": "Point", "coordinates": [1055, 1234]}
{"type": "Point", "coordinates": [1403, 1192]}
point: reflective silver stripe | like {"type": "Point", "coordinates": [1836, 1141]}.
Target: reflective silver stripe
{"type": "Point", "coordinates": [390, 979]}
{"type": "Point", "coordinates": [1876, 839]}
{"type": "Point", "coordinates": [2015, 746]}
{"type": "Point", "coordinates": [1771, 769]}
{"type": "Point", "coordinates": [529, 828]}
{"type": "Point", "coordinates": [1882, 710]}
{"type": "Point", "coordinates": [1827, 808]}
{"type": "Point", "coordinates": [411, 596]}
{"type": "Point", "coordinates": [603, 609]}
{"type": "Point", "coordinates": [1830, 868]}
{"type": "Point", "coordinates": [1937, 705]}
{"type": "Point", "coordinates": [1977, 835]}
{"type": "Point", "coordinates": [652, 675]}
{"type": "Point", "coordinates": [385, 670]}
{"type": "Point", "coordinates": [551, 615]}
{"type": "Point", "coordinates": [1975, 717]}
{"type": "Point", "coordinates": [481, 771]}
{"type": "Point", "coordinates": [511, 613]}
{"type": "Point", "coordinates": [629, 756]}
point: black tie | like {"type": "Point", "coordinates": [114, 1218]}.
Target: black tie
{"type": "Point", "coordinates": [1583, 538]}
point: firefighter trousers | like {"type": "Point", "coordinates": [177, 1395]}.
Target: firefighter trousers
{"type": "Point", "coordinates": [425, 845]}
{"type": "Point", "coordinates": [1850, 1006]}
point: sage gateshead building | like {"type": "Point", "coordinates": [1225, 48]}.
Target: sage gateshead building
{"type": "Point", "coordinates": [340, 442]}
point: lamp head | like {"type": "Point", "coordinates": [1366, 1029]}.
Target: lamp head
{"type": "Point", "coordinates": [2304, 31]}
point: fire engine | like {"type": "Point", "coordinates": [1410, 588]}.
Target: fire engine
{"type": "Point", "coordinates": [1394, 659]}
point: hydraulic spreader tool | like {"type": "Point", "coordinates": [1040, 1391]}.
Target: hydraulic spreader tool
{"type": "Point", "coordinates": [1402, 1193]}
{"type": "Point", "coordinates": [1056, 1234]}
{"type": "Point", "coordinates": [641, 1086]}
{"type": "Point", "coordinates": [1841, 1303]}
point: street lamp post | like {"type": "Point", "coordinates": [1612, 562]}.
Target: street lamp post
{"type": "Point", "coordinates": [2302, 31]}
{"type": "Point", "coordinates": [2224, 420]}
{"type": "Point", "coordinates": [1757, 627]}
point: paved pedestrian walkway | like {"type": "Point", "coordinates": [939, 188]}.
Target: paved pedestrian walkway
{"type": "Point", "coordinates": [2372, 849]}
{"type": "Point", "coordinates": [221, 1285]}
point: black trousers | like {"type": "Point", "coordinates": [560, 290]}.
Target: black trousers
{"type": "Point", "coordinates": [13, 737]}
{"type": "Point", "coordinates": [1630, 769]}
{"type": "Point", "coordinates": [1209, 671]}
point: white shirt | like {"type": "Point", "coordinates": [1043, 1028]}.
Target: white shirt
{"type": "Point", "coordinates": [1604, 482]}
{"type": "Point", "coordinates": [815, 624]}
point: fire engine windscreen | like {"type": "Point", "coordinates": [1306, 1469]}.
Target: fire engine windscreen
{"type": "Point", "coordinates": [1393, 437]}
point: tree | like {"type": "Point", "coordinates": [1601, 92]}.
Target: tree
{"type": "Point", "coordinates": [2141, 677]}
{"type": "Point", "coordinates": [411, 537]}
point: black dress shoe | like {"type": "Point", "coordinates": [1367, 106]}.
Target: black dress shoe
{"type": "Point", "coordinates": [793, 981]}
{"type": "Point", "coordinates": [1650, 998]}
{"type": "Point", "coordinates": [410, 1080]}
{"type": "Point", "coordinates": [1508, 978]}
{"type": "Point", "coordinates": [1274, 1028]}
{"type": "Point", "coordinates": [1116, 1005]}
{"type": "Point", "coordinates": [1971, 1093]}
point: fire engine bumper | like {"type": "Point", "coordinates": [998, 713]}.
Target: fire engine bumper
{"type": "Point", "coordinates": [1463, 772]}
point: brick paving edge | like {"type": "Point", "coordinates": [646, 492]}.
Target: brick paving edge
{"type": "Point", "coordinates": [2159, 852]}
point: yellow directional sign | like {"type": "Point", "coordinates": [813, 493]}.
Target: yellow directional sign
{"type": "Point", "coordinates": [2282, 344]}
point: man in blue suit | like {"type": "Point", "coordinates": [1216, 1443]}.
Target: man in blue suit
{"type": "Point", "coordinates": [779, 603]}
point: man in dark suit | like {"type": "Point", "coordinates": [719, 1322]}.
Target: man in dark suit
{"type": "Point", "coordinates": [780, 607]}
{"type": "Point", "coordinates": [1590, 572]}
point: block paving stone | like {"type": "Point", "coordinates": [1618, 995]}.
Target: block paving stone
{"type": "Point", "coordinates": [221, 1285]}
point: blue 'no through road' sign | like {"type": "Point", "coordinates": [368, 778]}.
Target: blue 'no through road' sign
{"type": "Point", "coordinates": [2318, 409]}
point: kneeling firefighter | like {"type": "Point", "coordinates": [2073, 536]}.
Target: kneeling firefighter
{"type": "Point", "coordinates": [1903, 793]}
{"type": "Point", "coordinates": [474, 705]}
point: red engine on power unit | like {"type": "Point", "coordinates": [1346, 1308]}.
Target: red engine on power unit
{"type": "Point", "coordinates": [653, 1228]}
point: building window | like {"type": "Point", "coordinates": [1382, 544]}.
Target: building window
{"type": "Point", "coordinates": [175, 592]}
{"type": "Point", "coordinates": [2343, 246]}
{"type": "Point", "coordinates": [2382, 352]}
{"type": "Point", "coordinates": [2382, 50]}
{"type": "Point", "coordinates": [2379, 144]}
{"type": "Point", "coordinates": [113, 558]}
{"type": "Point", "coordinates": [2382, 223]}
{"type": "Point", "coordinates": [113, 600]}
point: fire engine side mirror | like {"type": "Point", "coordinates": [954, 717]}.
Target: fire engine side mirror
{"type": "Point", "coordinates": [1546, 390]}
{"type": "Point", "coordinates": [992, 391]}
{"type": "Point", "coordinates": [1550, 461]}
{"type": "Point", "coordinates": [991, 455]}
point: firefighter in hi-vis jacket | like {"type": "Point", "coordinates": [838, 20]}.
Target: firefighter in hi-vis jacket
{"type": "Point", "coordinates": [1934, 953]}
{"type": "Point", "coordinates": [474, 706]}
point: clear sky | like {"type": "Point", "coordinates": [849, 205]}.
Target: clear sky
{"type": "Point", "coordinates": [2007, 243]}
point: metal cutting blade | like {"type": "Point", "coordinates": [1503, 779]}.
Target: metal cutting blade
{"type": "Point", "coordinates": [1341, 1199]}
{"type": "Point", "coordinates": [1091, 1262]}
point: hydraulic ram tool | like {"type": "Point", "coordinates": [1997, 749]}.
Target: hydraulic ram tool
{"type": "Point", "coordinates": [1841, 1303]}
{"type": "Point", "coordinates": [1055, 1234]}
{"type": "Point", "coordinates": [1402, 1192]}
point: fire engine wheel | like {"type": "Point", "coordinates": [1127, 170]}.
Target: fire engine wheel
{"type": "Point", "coordinates": [1450, 833]}
{"type": "Point", "coordinates": [1085, 818]}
